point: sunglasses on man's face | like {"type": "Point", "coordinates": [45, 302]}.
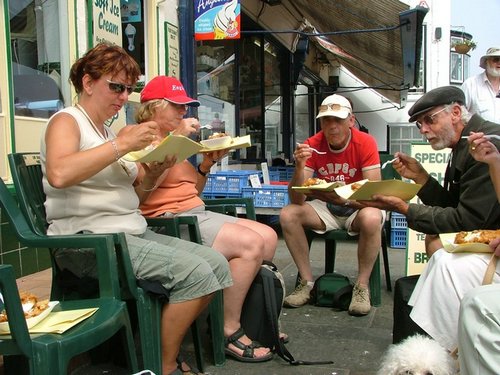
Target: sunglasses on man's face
{"type": "Point", "coordinates": [495, 59]}
{"type": "Point", "coordinates": [119, 88]}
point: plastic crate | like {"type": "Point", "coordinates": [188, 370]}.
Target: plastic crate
{"type": "Point", "coordinates": [398, 220]}
{"type": "Point", "coordinates": [398, 238]}
{"type": "Point", "coordinates": [228, 183]}
{"type": "Point", "coordinates": [275, 196]}
{"type": "Point", "coordinates": [283, 173]}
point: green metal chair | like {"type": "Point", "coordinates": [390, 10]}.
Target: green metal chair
{"type": "Point", "coordinates": [51, 353]}
{"type": "Point", "coordinates": [27, 175]}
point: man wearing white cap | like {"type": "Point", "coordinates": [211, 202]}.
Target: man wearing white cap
{"type": "Point", "coordinates": [482, 91]}
{"type": "Point", "coordinates": [347, 155]}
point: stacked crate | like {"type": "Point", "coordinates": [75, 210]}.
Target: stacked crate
{"type": "Point", "coordinates": [398, 230]}
{"type": "Point", "coordinates": [228, 184]}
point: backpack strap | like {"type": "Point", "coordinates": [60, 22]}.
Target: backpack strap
{"type": "Point", "coordinates": [279, 345]}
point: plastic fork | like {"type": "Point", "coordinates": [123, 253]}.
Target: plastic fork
{"type": "Point", "coordinates": [313, 149]}
{"type": "Point", "coordinates": [487, 136]}
{"type": "Point", "coordinates": [388, 162]}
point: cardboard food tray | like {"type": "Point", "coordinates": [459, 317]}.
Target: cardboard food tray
{"type": "Point", "coordinates": [30, 322]}
{"type": "Point", "coordinates": [448, 240]}
{"type": "Point", "coordinates": [395, 188]}
{"type": "Point", "coordinates": [329, 186]}
{"type": "Point", "coordinates": [236, 143]}
{"type": "Point", "coordinates": [177, 145]}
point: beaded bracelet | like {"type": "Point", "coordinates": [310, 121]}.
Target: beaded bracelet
{"type": "Point", "coordinates": [115, 147]}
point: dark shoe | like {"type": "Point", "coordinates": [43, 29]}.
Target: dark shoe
{"type": "Point", "coordinates": [187, 369]}
{"type": "Point", "coordinates": [248, 350]}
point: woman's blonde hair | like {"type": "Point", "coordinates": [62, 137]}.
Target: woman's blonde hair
{"type": "Point", "coordinates": [148, 109]}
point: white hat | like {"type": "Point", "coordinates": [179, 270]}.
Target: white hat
{"type": "Point", "coordinates": [493, 51]}
{"type": "Point", "coordinates": [335, 105]}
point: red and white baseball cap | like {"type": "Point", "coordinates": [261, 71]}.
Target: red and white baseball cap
{"type": "Point", "coordinates": [168, 88]}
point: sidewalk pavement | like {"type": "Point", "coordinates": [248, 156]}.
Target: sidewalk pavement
{"type": "Point", "coordinates": [354, 344]}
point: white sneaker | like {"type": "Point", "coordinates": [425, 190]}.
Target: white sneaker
{"type": "Point", "coordinates": [360, 301]}
{"type": "Point", "coordinates": [300, 296]}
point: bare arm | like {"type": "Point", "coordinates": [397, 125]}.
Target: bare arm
{"type": "Point", "coordinates": [67, 165]}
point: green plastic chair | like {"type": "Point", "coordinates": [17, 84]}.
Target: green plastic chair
{"type": "Point", "coordinates": [331, 238]}
{"type": "Point", "coordinates": [27, 175]}
{"type": "Point", "coordinates": [51, 353]}
{"type": "Point", "coordinates": [228, 206]}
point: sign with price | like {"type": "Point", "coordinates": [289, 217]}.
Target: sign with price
{"type": "Point", "coordinates": [107, 22]}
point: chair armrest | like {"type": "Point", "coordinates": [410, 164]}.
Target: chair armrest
{"type": "Point", "coordinates": [229, 204]}
{"type": "Point", "coordinates": [173, 225]}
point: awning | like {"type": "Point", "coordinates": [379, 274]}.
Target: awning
{"type": "Point", "coordinates": [377, 56]}
{"type": "Point", "coordinates": [364, 36]}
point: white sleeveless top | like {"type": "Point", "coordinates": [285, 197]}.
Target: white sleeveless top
{"type": "Point", "coordinates": [104, 203]}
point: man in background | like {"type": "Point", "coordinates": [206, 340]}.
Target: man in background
{"type": "Point", "coordinates": [482, 91]}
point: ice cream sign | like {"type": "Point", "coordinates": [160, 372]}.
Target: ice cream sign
{"type": "Point", "coordinates": [217, 19]}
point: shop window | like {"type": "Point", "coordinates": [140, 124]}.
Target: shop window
{"type": "Point", "coordinates": [302, 126]}
{"type": "Point", "coordinates": [35, 57]}
{"type": "Point", "coordinates": [215, 69]}
{"type": "Point", "coordinates": [401, 136]}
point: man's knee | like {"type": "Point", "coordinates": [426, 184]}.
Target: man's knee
{"type": "Point", "coordinates": [290, 214]}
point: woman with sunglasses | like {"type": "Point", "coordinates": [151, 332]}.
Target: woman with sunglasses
{"type": "Point", "coordinates": [482, 91]}
{"type": "Point", "coordinates": [244, 243]}
{"type": "Point", "coordinates": [90, 188]}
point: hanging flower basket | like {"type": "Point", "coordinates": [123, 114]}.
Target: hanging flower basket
{"type": "Point", "coordinates": [462, 48]}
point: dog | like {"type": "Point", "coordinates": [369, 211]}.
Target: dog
{"type": "Point", "coordinates": [417, 355]}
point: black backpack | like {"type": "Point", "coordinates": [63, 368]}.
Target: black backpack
{"type": "Point", "coordinates": [261, 311]}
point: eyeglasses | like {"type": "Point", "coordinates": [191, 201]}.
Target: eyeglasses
{"type": "Point", "coordinates": [119, 88]}
{"type": "Point", "coordinates": [178, 107]}
{"type": "Point", "coordinates": [429, 119]}
{"type": "Point", "coordinates": [333, 107]}
{"type": "Point", "coordinates": [495, 59]}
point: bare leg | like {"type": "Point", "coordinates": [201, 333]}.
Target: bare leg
{"type": "Point", "coordinates": [267, 233]}
{"type": "Point", "coordinates": [293, 219]}
{"type": "Point", "coordinates": [176, 318]}
{"type": "Point", "coordinates": [368, 223]}
{"type": "Point", "coordinates": [243, 248]}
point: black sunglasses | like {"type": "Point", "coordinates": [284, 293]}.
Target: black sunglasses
{"type": "Point", "coordinates": [119, 88]}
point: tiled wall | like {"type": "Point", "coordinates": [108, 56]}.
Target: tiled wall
{"type": "Point", "coordinates": [24, 260]}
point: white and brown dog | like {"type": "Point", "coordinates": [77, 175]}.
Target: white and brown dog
{"type": "Point", "coordinates": [417, 355]}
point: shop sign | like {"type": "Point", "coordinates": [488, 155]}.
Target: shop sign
{"type": "Point", "coordinates": [107, 21]}
{"type": "Point", "coordinates": [217, 19]}
{"type": "Point", "coordinates": [434, 162]}
{"type": "Point", "coordinates": [172, 49]}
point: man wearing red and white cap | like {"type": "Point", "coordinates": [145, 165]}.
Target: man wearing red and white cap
{"type": "Point", "coordinates": [482, 91]}
{"type": "Point", "coordinates": [348, 155]}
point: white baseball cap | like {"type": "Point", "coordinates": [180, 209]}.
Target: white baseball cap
{"type": "Point", "coordinates": [336, 106]}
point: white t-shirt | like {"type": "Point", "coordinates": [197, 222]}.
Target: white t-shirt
{"type": "Point", "coordinates": [104, 203]}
